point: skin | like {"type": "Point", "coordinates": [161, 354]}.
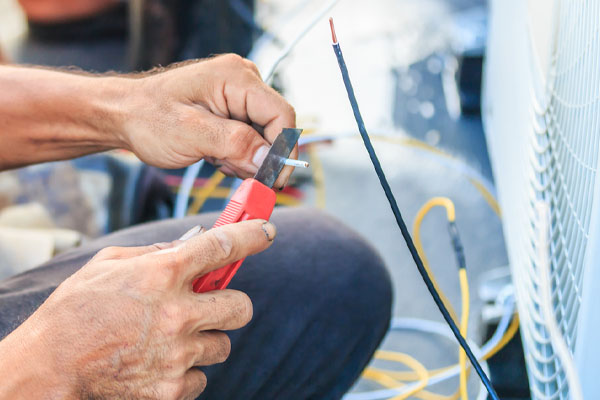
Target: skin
{"type": "Point", "coordinates": [61, 10]}
{"type": "Point", "coordinates": [127, 325]}
{"type": "Point", "coordinates": [169, 118]}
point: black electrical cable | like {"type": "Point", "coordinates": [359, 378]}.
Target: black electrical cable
{"type": "Point", "coordinates": [400, 220]}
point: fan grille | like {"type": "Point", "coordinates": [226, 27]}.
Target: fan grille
{"type": "Point", "coordinates": [555, 159]}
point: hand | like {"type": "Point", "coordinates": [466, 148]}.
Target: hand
{"type": "Point", "coordinates": [207, 109]}
{"type": "Point", "coordinates": [127, 325]}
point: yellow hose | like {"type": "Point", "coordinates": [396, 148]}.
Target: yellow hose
{"type": "Point", "coordinates": [464, 325]}
{"type": "Point", "coordinates": [394, 379]}
{"type": "Point", "coordinates": [204, 192]}
{"type": "Point", "coordinates": [451, 215]}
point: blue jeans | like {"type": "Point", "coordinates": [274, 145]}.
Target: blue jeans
{"type": "Point", "coordinates": [322, 302]}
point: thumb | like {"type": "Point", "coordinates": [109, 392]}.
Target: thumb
{"type": "Point", "coordinates": [119, 253]}
{"type": "Point", "coordinates": [236, 146]}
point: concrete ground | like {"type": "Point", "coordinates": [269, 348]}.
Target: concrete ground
{"type": "Point", "coordinates": [397, 53]}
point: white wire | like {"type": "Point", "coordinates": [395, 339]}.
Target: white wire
{"type": "Point", "coordinates": [419, 325]}
{"type": "Point", "coordinates": [556, 338]}
{"type": "Point", "coordinates": [187, 183]}
{"type": "Point", "coordinates": [267, 38]}
{"type": "Point", "coordinates": [192, 171]}
{"type": "Point", "coordinates": [438, 328]}
{"type": "Point", "coordinates": [290, 46]}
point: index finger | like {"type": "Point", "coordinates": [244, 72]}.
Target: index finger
{"type": "Point", "coordinates": [222, 246]}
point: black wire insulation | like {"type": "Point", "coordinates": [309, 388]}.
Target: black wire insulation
{"type": "Point", "coordinates": [457, 245]}
{"type": "Point", "coordinates": [402, 225]}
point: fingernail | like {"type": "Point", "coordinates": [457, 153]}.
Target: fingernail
{"type": "Point", "coordinates": [192, 232]}
{"type": "Point", "coordinates": [269, 230]}
{"type": "Point", "coordinates": [260, 155]}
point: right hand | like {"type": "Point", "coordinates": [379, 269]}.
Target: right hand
{"type": "Point", "coordinates": [127, 324]}
{"type": "Point", "coordinates": [205, 109]}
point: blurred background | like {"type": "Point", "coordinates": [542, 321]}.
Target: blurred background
{"type": "Point", "coordinates": [417, 68]}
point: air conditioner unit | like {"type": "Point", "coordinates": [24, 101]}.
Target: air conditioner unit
{"type": "Point", "coordinates": [541, 111]}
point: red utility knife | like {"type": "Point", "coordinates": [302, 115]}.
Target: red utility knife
{"type": "Point", "coordinates": [254, 199]}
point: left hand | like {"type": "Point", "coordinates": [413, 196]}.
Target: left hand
{"type": "Point", "coordinates": [207, 109]}
{"type": "Point", "coordinates": [128, 326]}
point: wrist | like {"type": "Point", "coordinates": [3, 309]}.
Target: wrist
{"type": "Point", "coordinates": [109, 101]}
{"type": "Point", "coordinates": [26, 372]}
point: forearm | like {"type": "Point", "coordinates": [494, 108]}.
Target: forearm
{"type": "Point", "coordinates": [26, 374]}
{"type": "Point", "coordinates": [50, 115]}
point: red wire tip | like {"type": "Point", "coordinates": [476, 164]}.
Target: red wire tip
{"type": "Point", "coordinates": [333, 36]}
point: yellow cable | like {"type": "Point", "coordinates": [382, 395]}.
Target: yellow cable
{"type": "Point", "coordinates": [411, 142]}
{"type": "Point", "coordinates": [381, 378]}
{"type": "Point", "coordinates": [204, 192]}
{"type": "Point", "coordinates": [412, 376]}
{"type": "Point", "coordinates": [388, 382]}
{"type": "Point", "coordinates": [464, 325]}
{"type": "Point", "coordinates": [385, 377]}
{"type": "Point", "coordinates": [411, 363]}
{"type": "Point", "coordinates": [385, 380]}
{"type": "Point", "coordinates": [211, 190]}
{"type": "Point", "coordinates": [224, 193]}
{"type": "Point", "coordinates": [464, 284]}
{"type": "Point", "coordinates": [450, 213]}
{"type": "Point", "coordinates": [487, 196]}
{"type": "Point", "coordinates": [388, 378]}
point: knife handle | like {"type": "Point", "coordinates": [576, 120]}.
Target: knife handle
{"type": "Point", "coordinates": [252, 200]}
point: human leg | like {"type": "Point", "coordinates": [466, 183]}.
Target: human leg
{"type": "Point", "coordinates": [321, 299]}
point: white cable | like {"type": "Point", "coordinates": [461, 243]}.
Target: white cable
{"type": "Point", "coordinates": [419, 325]}
{"type": "Point", "coordinates": [192, 171]}
{"type": "Point", "coordinates": [187, 183]}
{"type": "Point", "coordinates": [438, 328]}
{"type": "Point", "coordinates": [267, 38]}
{"type": "Point", "coordinates": [556, 338]}
{"type": "Point", "coordinates": [509, 308]}
{"type": "Point", "coordinates": [290, 46]}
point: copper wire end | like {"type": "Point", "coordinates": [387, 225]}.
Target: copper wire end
{"type": "Point", "coordinates": [333, 36]}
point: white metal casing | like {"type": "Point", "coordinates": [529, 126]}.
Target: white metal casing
{"type": "Point", "coordinates": [542, 120]}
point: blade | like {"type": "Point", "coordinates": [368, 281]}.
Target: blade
{"type": "Point", "coordinates": [280, 150]}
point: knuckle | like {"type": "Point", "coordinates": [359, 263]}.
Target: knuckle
{"type": "Point", "coordinates": [170, 265]}
{"type": "Point", "coordinates": [200, 385]}
{"type": "Point", "coordinates": [108, 253]}
{"type": "Point", "coordinates": [180, 357]}
{"type": "Point", "coordinates": [223, 347]}
{"type": "Point", "coordinates": [233, 59]}
{"type": "Point", "coordinates": [291, 111]}
{"type": "Point", "coordinates": [167, 390]}
{"type": "Point", "coordinates": [172, 317]}
{"type": "Point", "coordinates": [251, 65]}
{"type": "Point", "coordinates": [239, 141]}
{"type": "Point", "coordinates": [219, 243]}
{"type": "Point", "coordinates": [243, 307]}
{"type": "Point", "coordinates": [176, 390]}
